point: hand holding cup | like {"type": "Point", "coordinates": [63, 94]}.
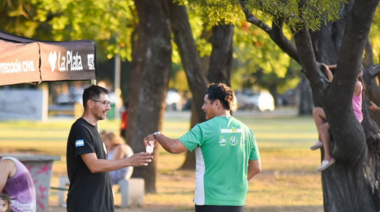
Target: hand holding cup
{"type": "Point", "coordinates": [149, 143]}
{"type": "Point", "coordinates": [149, 147]}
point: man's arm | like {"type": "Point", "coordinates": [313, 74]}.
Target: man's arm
{"type": "Point", "coordinates": [254, 167]}
{"type": "Point", "coordinates": [100, 165]}
{"type": "Point", "coordinates": [171, 145]}
{"type": "Point", "coordinates": [6, 168]}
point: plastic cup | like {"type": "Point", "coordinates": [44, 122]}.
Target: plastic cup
{"type": "Point", "coordinates": [150, 147]}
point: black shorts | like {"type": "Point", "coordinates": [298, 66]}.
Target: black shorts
{"type": "Point", "coordinates": [218, 208]}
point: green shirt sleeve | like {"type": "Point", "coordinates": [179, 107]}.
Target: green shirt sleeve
{"type": "Point", "coordinates": [193, 138]}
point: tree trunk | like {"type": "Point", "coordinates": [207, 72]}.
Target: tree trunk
{"type": "Point", "coordinates": [138, 44]}
{"type": "Point", "coordinates": [373, 92]}
{"type": "Point", "coordinates": [189, 163]}
{"type": "Point", "coordinates": [192, 65]}
{"type": "Point", "coordinates": [221, 56]}
{"type": "Point", "coordinates": [273, 91]}
{"type": "Point", "coordinates": [372, 87]}
{"type": "Point", "coordinates": [306, 103]}
{"type": "Point", "coordinates": [155, 72]}
{"type": "Point", "coordinates": [191, 61]}
{"type": "Point", "coordinates": [350, 184]}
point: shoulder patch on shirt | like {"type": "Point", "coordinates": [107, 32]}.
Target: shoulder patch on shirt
{"type": "Point", "coordinates": [79, 143]}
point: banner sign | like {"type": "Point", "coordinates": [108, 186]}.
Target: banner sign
{"type": "Point", "coordinates": [24, 60]}
{"type": "Point", "coordinates": [73, 60]}
{"type": "Point", "coordinates": [17, 64]}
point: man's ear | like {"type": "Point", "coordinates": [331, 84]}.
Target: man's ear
{"type": "Point", "coordinates": [89, 104]}
{"type": "Point", "coordinates": [217, 102]}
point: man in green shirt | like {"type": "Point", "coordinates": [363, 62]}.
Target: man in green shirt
{"type": "Point", "coordinates": [227, 155]}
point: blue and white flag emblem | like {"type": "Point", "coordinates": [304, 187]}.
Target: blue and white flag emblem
{"type": "Point", "coordinates": [79, 143]}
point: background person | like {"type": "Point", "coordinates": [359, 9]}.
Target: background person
{"type": "Point", "coordinates": [116, 150]}
{"type": "Point", "coordinates": [226, 152]}
{"type": "Point", "coordinates": [90, 187]}
{"type": "Point", "coordinates": [16, 181]}
{"type": "Point", "coordinates": [5, 203]}
{"type": "Point", "coordinates": [323, 127]}
{"type": "Point", "coordinates": [124, 121]}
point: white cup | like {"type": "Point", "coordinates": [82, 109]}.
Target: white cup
{"type": "Point", "coordinates": [149, 147]}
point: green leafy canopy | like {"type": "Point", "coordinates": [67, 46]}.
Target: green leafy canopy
{"type": "Point", "coordinates": [312, 13]}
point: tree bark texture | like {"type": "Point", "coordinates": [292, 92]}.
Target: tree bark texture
{"type": "Point", "coordinates": [219, 67]}
{"type": "Point", "coordinates": [222, 54]}
{"type": "Point", "coordinates": [306, 98]}
{"type": "Point", "coordinates": [372, 87]}
{"type": "Point", "coordinates": [192, 65]}
{"type": "Point", "coordinates": [351, 183]}
{"type": "Point", "coordinates": [191, 62]}
{"type": "Point", "coordinates": [155, 69]}
{"type": "Point", "coordinates": [189, 163]}
{"type": "Point", "coordinates": [138, 62]}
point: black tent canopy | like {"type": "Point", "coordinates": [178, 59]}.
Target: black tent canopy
{"type": "Point", "coordinates": [23, 60]}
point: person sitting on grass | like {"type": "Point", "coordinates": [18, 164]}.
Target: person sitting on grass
{"type": "Point", "coordinates": [116, 150]}
{"type": "Point", "coordinates": [323, 126]}
{"type": "Point", "coordinates": [16, 181]}
{"type": "Point", "coordinates": [5, 203]}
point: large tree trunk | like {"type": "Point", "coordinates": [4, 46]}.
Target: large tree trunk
{"type": "Point", "coordinates": [192, 65]}
{"type": "Point", "coordinates": [350, 184]}
{"type": "Point", "coordinates": [372, 87]}
{"type": "Point", "coordinates": [189, 163]}
{"type": "Point", "coordinates": [221, 56]}
{"type": "Point", "coordinates": [220, 63]}
{"type": "Point", "coordinates": [155, 72]}
{"type": "Point", "coordinates": [273, 91]}
{"type": "Point", "coordinates": [306, 103]}
{"type": "Point", "coordinates": [138, 61]}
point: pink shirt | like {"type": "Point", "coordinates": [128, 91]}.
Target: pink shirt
{"type": "Point", "coordinates": [357, 105]}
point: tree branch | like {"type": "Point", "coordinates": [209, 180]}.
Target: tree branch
{"type": "Point", "coordinates": [374, 70]}
{"type": "Point", "coordinates": [275, 33]}
{"type": "Point", "coordinates": [191, 63]}
{"type": "Point", "coordinates": [368, 58]}
{"type": "Point", "coordinates": [307, 58]}
{"type": "Point", "coordinates": [279, 38]}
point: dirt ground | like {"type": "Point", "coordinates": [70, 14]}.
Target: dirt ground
{"type": "Point", "coordinates": [161, 208]}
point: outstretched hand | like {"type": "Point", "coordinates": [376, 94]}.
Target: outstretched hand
{"type": "Point", "coordinates": [373, 106]}
{"type": "Point", "coordinates": [150, 137]}
{"type": "Point", "coordinates": [140, 159]}
{"type": "Point", "coordinates": [328, 72]}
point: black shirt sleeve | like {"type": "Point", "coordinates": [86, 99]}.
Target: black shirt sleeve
{"type": "Point", "coordinates": [83, 141]}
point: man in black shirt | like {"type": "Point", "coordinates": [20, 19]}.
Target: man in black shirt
{"type": "Point", "coordinates": [87, 165]}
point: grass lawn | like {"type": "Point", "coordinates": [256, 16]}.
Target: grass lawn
{"type": "Point", "coordinates": [288, 182]}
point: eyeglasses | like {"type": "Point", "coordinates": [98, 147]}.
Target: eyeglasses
{"type": "Point", "coordinates": [105, 102]}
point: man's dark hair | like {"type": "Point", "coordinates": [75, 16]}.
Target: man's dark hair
{"type": "Point", "coordinates": [92, 92]}
{"type": "Point", "coordinates": [221, 92]}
